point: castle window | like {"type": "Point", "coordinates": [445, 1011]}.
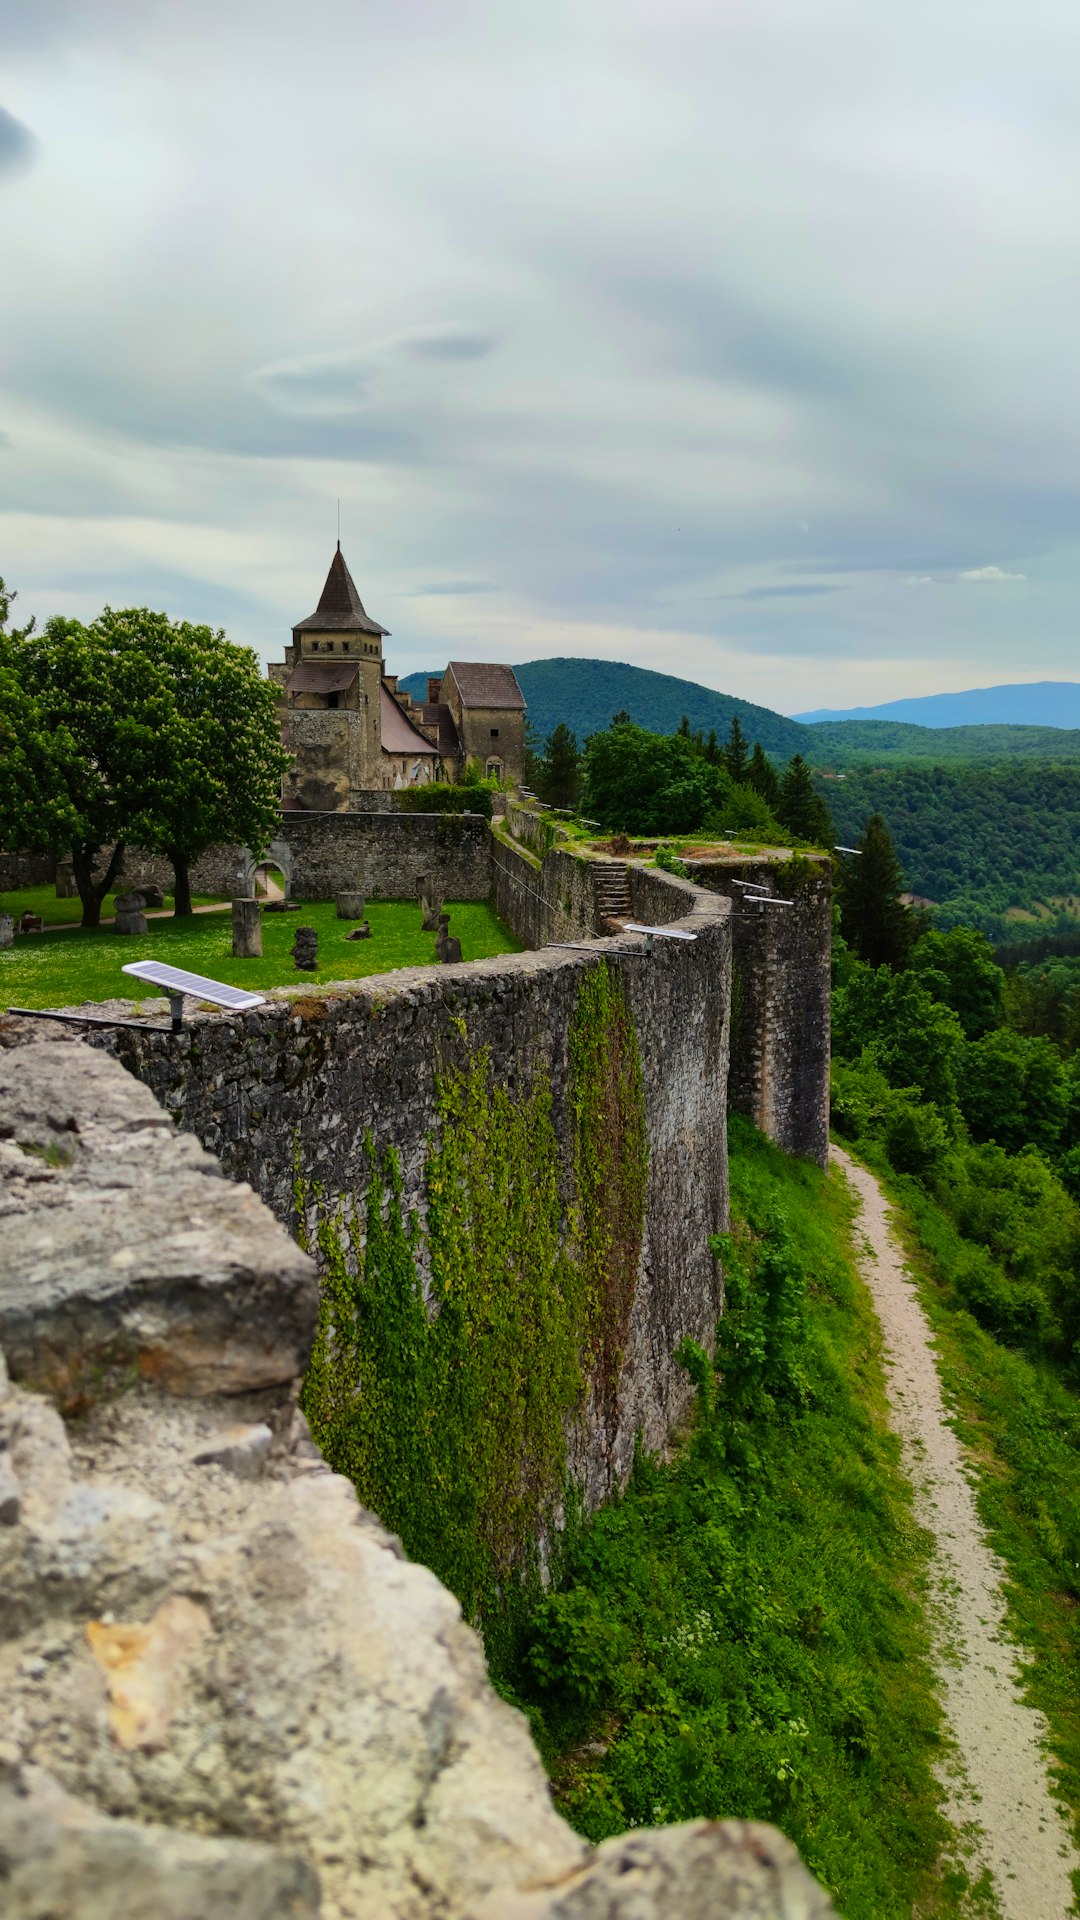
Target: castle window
{"type": "Point", "coordinates": [333, 699]}
{"type": "Point", "coordinates": [494, 733]}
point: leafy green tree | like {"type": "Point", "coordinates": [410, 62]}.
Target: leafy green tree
{"type": "Point", "coordinates": [761, 775]}
{"type": "Point", "coordinates": [802, 811]}
{"type": "Point", "coordinates": [1014, 1091]}
{"type": "Point", "coordinates": [558, 779]}
{"type": "Point", "coordinates": [895, 1021]}
{"type": "Point", "coordinates": [736, 755]}
{"type": "Point", "coordinates": [70, 703]}
{"type": "Point", "coordinates": [216, 773]}
{"type": "Point", "coordinates": [965, 959]}
{"type": "Point", "coordinates": [35, 806]}
{"type": "Point", "coordinates": [640, 782]}
{"type": "Point", "coordinates": [165, 736]}
{"type": "Point", "coordinates": [872, 920]}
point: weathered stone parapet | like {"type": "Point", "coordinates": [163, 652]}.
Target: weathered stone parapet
{"type": "Point", "coordinates": [780, 997]}
{"type": "Point", "coordinates": [126, 1254]}
{"type": "Point", "coordinates": [316, 1073]}
{"type": "Point", "coordinates": [222, 1687]}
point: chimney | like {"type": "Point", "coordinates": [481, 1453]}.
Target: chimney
{"type": "Point", "coordinates": [434, 691]}
{"type": "Point", "coordinates": [391, 681]}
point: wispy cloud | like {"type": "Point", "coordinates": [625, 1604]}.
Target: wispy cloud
{"type": "Point", "coordinates": [989, 576]}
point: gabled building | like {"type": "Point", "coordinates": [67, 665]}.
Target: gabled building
{"type": "Point", "coordinates": [352, 732]}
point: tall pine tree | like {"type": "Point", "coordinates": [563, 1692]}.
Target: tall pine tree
{"type": "Point", "coordinates": [872, 920]}
{"type": "Point", "coordinates": [761, 775]}
{"type": "Point", "coordinates": [736, 757]}
{"type": "Point", "coordinates": [802, 811]}
{"type": "Point", "coordinates": [559, 771]}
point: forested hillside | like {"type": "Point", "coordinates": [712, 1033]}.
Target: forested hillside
{"type": "Point", "coordinates": [994, 848]}
{"type": "Point", "coordinates": [584, 694]}
{"type": "Point", "coordinates": [850, 743]}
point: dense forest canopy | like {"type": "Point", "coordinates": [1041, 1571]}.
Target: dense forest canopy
{"type": "Point", "coordinates": [994, 848]}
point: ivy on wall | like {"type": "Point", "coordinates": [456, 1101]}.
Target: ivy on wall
{"type": "Point", "coordinates": [455, 1345]}
{"type": "Point", "coordinates": [610, 1168]}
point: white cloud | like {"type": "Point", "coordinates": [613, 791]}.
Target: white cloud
{"type": "Point", "coordinates": [990, 575]}
{"type": "Point", "coordinates": [919, 580]}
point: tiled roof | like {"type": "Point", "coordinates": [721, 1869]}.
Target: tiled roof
{"type": "Point", "coordinates": [396, 731]}
{"type": "Point", "coordinates": [311, 676]}
{"type": "Point", "coordinates": [483, 684]}
{"type": "Point", "coordinates": [340, 608]}
{"type": "Point", "coordinates": [434, 714]}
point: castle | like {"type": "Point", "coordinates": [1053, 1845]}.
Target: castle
{"type": "Point", "coordinates": [353, 732]}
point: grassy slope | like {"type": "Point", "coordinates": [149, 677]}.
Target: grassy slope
{"type": "Point", "coordinates": [750, 1641]}
{"type": "Point", "coordinates": [1021, 1424]}
{"type": "Point", "coordinates": [63, 969]}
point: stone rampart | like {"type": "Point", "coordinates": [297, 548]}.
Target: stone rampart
{"type": "Point", "coordinates": [780, 982]}
{"type": "Point", "coordinates": [378, 854]}
{"type": "Point", "coordinates": [311, 1077]}
{"type": "Point", "coordinates": [541, 900]}
{"type": "Point", "coordinates": [26, 870]}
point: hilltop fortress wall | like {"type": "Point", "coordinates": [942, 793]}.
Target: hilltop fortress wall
{"type": "Point", "coordinates": [304, 1084]}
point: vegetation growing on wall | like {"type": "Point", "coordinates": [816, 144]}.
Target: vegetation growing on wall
{"type": "Point", "coordinates": [455, 1346]}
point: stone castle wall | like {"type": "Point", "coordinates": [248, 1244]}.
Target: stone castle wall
{"type": "Point", "coordinates": [379, 854]}
{"type": "Point", "coordinates": [310, 1077]}
{"type": "Point", "coordinates": [781, 961]}
{"type": "Point", "coordinates": [26, 870]}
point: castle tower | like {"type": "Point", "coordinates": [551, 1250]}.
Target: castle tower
{"type": "Point", "coordinates": [332, 684]}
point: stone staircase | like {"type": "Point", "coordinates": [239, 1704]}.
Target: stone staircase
{"type": "Point", "coordinates": [611, 893]}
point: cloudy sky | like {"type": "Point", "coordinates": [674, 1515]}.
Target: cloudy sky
{"type": "Point", "coordinates": [736, 338]}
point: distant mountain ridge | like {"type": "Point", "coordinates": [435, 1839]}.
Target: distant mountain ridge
{"type": "Point", "coordinates": [1036, 703]}
{"type": "Point", "coordinates": [586, 693]}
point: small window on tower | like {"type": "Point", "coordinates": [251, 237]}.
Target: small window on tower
{"type": "Point", "coordinates": [494, 733]}
{"type": "Point", "coordinates": [333, 699]}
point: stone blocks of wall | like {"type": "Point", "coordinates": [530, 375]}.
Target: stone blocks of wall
{"type": "Point", "coordinates": [382, 854]}
{"type": "Point", "coordinates": [26, 870]}
{"type": "Point", "coordinates": [313, 1074]}
{"type": "Point", "coordinates": [780, 987]}
{"type": "Point", "coordinates": [379, 854]}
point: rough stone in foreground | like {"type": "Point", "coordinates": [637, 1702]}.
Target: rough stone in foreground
{"type": "Point", "coordinates": [62, 1860]}
{"type": "Point", "coordinates": [702, 1870]}
{"type": "Point", "coordinates": [125, 1252]}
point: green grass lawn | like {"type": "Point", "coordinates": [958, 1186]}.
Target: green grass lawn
{"type": "Point", "coordinates": [64, 969]}
{"type": "Point", "coordinates": [57, 913]}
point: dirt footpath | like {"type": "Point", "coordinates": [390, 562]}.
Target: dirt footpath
{"type": "Point", "coordinates": [1001, 1797]}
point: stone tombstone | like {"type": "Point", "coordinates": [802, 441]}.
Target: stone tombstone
{"type": "Point", "coordinates": [305, 949]}
{"type": "Point", "coordinates": [430, 902]}
{"type": "Point", "coordinates": [7, 929]}
{"type": "Point", "coordinates": [362, 932]}
{"type": "Point", "coordinates": [130, 917]}
{"type": "Point", "coordinates": [350, 906]}
{"type": "Point", "coordinates": [447, 948]}
{"type": "Point", "coordinates": [66, 888]}
{"type": "Point", "coordinates": [246, 930]}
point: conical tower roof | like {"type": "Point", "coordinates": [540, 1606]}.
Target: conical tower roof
{"type": "Point", "coordinates": [340, 608]}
